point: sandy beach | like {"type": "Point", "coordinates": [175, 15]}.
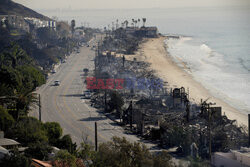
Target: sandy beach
{"type": "Point", "coordinates": [154, 52]}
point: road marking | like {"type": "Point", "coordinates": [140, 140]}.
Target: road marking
{"type": "Point", "coordinates": [62, 116]}
{"type": "Point", "coordinates": [65, 90]}
{"type": "Point", "coordinates": [60, 111]}
{"type": "Point", "coordinates": [67, 107]}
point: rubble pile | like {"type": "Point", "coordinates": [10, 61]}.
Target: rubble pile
{"type": "Point", "coordinates": [157, 112]}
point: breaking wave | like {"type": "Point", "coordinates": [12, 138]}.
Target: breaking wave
{"type": "Point", "coordinates": [226, 79]}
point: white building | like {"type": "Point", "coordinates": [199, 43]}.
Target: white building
{"type": "Point", "coordinates": [41, 23]}
{"type": "Point", "coordinates": [15, 21]}
{"type": "Point", "coordinates": [25, 22]}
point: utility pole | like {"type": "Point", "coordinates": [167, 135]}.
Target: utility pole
{"type": "Point", "coordinates": [209, 129]}
{"type": "Point", "coordinates": [142, 124]}
{"type": "Point", "coordinates": [123, 61]}
{"type": "Point", "coordinates": [40, 107]}
{"type": "Point", "coordinates": [248, 130]}
{"type": "Point", "coordinates": [206, 109]}
{"type": "Point", "coordinates": [105, 100]}
{"type": "Point", "coordinates": [188, 110]}
{"type": "Point", "coordinates": [98, 47]}
{"type": "Point", "coordinates": [131, 117]}
{"type": "Point", "coordinates": [95, 60]}
{"type": "Point", "coordinates": [187, 103]}
{"type": "Point", "coordinates": [97, 54]}
{"type": "Point", "coordinates": [96, 143]}
{"type": "Point", "coordinates": [202, 109]}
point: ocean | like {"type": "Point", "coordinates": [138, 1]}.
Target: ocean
{"type": "Point", "coordinates": [215, 43]}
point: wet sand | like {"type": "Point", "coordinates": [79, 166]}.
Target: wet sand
{"type": "Point", "coordinates": [154, 52]}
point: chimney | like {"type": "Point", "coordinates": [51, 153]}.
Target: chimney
{"type": "Point", "coordinates": [1, 134]}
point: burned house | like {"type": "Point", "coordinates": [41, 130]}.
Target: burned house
{"type": "Point", "coordinates": [180, 98]}
{"type": "Point", "coordinates": [147, 32]}
{"type": "Point", "coordinates": [144, 32]}
{"type": "Point", "coordinates": [131, 31]}
{"type": "Point", "coordinates": [143, 114]}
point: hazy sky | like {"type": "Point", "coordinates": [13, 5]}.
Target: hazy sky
{"type": "Point", "coordinates": [104, 4]}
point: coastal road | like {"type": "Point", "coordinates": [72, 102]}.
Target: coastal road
{"type": "Point", "coordinates": [63, 103]}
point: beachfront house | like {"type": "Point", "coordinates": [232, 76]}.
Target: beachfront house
{"type": "Point", "coordinates": [145, 32]}
{"type": "Point", "coordinates": [131, 30]}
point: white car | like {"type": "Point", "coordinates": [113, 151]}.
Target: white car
{"type": "Point", "coordinates": [56, 83]}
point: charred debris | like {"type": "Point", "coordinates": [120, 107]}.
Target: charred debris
{"type": "Point", "coordinates": [159, 113]}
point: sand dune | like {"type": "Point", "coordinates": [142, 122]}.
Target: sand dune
{"type": "Point", "coordinates": [154, 52]}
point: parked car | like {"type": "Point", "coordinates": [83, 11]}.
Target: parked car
{"type": "Point", "coordinates": [87, 94]}
{"type": "Point", "coordinates": [56, 83]}
{"type": "Point", "coordinates": [85, 70]}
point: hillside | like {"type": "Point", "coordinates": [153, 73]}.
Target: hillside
{"type": "Point", "coordinates": [8, 7]}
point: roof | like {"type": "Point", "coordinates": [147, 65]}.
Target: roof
{"type": "Point", "coordinates": [79, 163]}
{"type": "Point", "coordinates": [3, 150]}
{"type": "Point", "coordinates": [150, 28]}
{"type": "Point", "coordinates": [8, 142]}
{"type": "Point", "coordinates": [22, 149]}
{"type": "Point", "coordinates": [36, 162]}
{"type": "Point", "coordinates": [131, 28]}
{"type": "Point", "coordinates": [80, 30]}
{"type": "Point", "coordinates": [55, 149]}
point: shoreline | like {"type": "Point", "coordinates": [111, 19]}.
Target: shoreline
{"type": "Point", "coordinates": [153, 51]}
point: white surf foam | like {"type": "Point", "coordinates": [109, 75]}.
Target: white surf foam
{"type": "Point", "coordinates": [226, 80]}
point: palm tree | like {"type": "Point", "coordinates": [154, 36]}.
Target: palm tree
{"type": "Point", "coordinates": [21, 103]}
{"type": "Point", "coordinates": [117, 23]}
{"type": "Point", "coordinates": [126, 23]}
{"type": "Point", "coordinates": [24, 101]}
{"type": "Point", "coordinates": [14, 56]}
{"type": "Point", "coordinates": [144, 21]}
{"type": "Point", "coordinates": [113, 26]}
{"type": "Point", "coordinates": [73, 24]}
{"type": "Point", "coordinates": [133, 21]}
